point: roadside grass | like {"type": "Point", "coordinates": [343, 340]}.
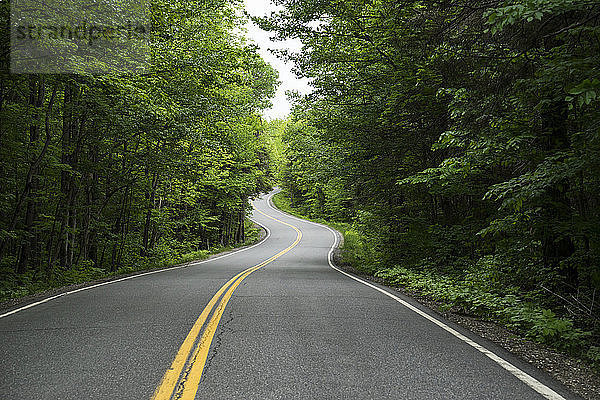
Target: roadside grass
{"type": "Point", "coordinates": [523, 317]}
{"type": "Point", "coordinates": [13, 286]}
{"type": "Point", "coordinates": [283, 203]}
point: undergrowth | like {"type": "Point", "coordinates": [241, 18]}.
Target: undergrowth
{"type": "Point", "coordinates": [14, 286]}
{"type": "Point", "coordinates": [532, 321]}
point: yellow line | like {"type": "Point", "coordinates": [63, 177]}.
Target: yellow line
{"type": "Point", "coordinates": [188, 386]}
{"type": "Point", "coordinates": [169, 380]}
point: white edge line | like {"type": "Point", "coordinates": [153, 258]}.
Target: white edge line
{"type": "Point", "coordinates": [37, 303]}
{"type": "Point", "coordinates": [524, 377]}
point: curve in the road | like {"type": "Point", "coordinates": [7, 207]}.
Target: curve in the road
{"type": "Point", "coordinates": [183, 383]}
{"type": "Point", "coordinates": [530, 381]}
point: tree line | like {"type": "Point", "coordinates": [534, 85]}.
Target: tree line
{"type": "Point", "coordinates": [121, 170]}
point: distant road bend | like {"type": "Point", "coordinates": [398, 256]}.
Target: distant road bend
{"type": "Point", "coordinates": [273, 321]}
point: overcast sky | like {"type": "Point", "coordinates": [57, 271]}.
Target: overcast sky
{"type": "Point", "coordinates": [289, 81]}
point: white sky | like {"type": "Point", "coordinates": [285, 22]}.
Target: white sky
{"type": "Point", "coordinates": [289, 81]}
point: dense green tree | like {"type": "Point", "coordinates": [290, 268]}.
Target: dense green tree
{"type": "Point", "coordinates": [125, 168]}
{"type": "Point", "coordinates": [464, 137]}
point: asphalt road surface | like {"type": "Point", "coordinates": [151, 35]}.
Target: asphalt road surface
{"type": "Point", "coordinates": [273, 321]}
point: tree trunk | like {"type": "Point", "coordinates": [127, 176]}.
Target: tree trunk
{"type": "Point", "coordinates": [151, 197]}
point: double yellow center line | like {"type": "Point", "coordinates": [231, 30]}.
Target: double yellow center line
{"type": "Point", "coordinates": [183, 377]}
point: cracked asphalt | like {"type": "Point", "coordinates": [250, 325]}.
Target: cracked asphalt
{"type": "Point", "coordinates": [296, 329]}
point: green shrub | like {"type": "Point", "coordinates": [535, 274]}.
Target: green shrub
{"type": "Point", "coordinates": [537, 323]}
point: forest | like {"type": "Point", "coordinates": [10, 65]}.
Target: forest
{"type": "Point", "coordinates": [457, 145]}
{"type": "Point", "coordinates": [115, 172]}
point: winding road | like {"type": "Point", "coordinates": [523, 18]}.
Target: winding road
{"type": "Point", "coordinates": [275, 320]}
